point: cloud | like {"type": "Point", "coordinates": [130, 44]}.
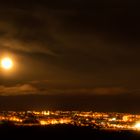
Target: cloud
{"type": "Point", "coordinates": [51, 87]}
{"type": "Point", "coordinates": [30, 47]}
{"type": "Point", "coordinates": [91, 91]}
{"type": "Point", "coordinates": [20, 89]}
{"type": "Point", "coordinates": [46, 87]}
{"type": "Point", "coordinates": [25, 31]}
{"type": "Point", "coordinates": [109, 90]}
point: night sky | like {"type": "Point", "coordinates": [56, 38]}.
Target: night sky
{"type": "Point", "coordinates": [71, 55]}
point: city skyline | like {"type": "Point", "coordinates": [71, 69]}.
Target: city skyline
{"type": "Point", "coordinates": [95, 120]}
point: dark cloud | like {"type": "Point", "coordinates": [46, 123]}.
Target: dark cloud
{"type": "Point", "coordinates": [17, 90]}
{"type": "Point", "coordinates": [46, 87]}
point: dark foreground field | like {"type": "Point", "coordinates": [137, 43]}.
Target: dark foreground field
{"type": "Point", "coordinates": [64, 132]}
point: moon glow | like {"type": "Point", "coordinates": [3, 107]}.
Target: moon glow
{"type": "Point", "coordinates": [6, 63]}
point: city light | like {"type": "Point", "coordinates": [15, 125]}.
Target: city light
{"type": "Point", "coordinates": [113, 119]}
{"type": "Point", "coordinates": [108, 120]}
{"type": "Point", "coordinates": [137, 126]}
{"type": "Point", "coordinates": [42, 122]}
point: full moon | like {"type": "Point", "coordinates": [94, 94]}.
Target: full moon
{"type": "Point", "coordinates": [6, 63]}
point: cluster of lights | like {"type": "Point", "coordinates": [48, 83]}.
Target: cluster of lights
{"type": "Point", "coordinates": [15, 119]}
{"type": "Point", "coordinates": [103, 120]}
{"type": "Point", "coordinates": [55, 121]}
